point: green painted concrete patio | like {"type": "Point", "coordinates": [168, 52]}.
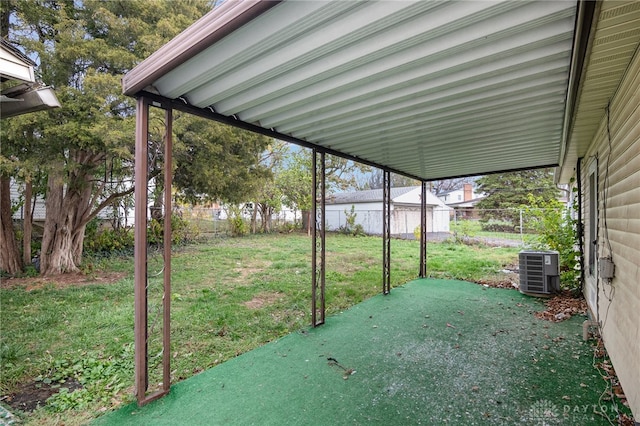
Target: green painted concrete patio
{"type": "Point", "coordinates": [431, 352]}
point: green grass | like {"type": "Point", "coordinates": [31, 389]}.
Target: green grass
{"type": "Point", "coordinates": [228, 296]}
{"type": "Point", "coordinates": [473, 228]}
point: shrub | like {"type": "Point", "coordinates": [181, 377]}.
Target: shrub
{"type": "Point", "coordinates": [494, 225]}
{"type": "Point", "coordinates": [108, 240]}
{"type": "Point", "coordinates": [556, 230]}
{"type": "Point", "coordinates": [463, 231]}
{"type": "Point", "coordinates": [287, 227]}
{"type": "Point", "coordinates": [121, 240]}
{"type": "Point", "coordinates": [237, 226]}
{"type": "Point", "coordinates": [182, 231]}
{"type": "Point", "coordinates": [351, 227]}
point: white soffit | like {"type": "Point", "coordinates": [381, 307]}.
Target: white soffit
{"type": "Point", "coordinates": [14, 67]}
{"type": "Point", "coordinates": [431, 89]}
{"type": "Point", "coordinates": [616, 39]}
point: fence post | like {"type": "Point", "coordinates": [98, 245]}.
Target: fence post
{"type": "Point", "coordinates": [406, 225]}
{"type": "Point", "coordinates": [521, 235]}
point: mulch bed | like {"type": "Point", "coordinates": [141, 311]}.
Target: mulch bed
{"type": "Point", "coordinates": [32, 395]}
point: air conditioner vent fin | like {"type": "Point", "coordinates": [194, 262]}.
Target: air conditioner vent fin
{"type": "Point", "coordinates": [539, 272]}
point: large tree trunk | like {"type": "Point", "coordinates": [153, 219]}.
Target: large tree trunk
{"type": "Point", "coordinates": [67, 216]}
{"type": "Point", "coordinates": [254, 218]}
{"type": "Point", "coordinates": [306, 221]}
{"type": "Point", "coordinates": [9, 252]}
{"type": "Point", "coordinates": [266, 213]}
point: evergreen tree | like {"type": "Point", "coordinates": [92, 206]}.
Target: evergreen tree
{"type": "Point", "coordinates": [85, 149]}
{"type": "Point", "coordinates": [506, 193]}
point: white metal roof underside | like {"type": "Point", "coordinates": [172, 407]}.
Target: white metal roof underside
{"type": "Point", "coordinates": [615, 39]}
{"type": "Point", "coordinates": [430, 89]}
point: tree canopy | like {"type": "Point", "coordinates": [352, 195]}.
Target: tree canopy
{"type": "Point", "coordinates": [217, 162]}
{"type": "Point", "coordinates": [506, 193]}
{"type": "Point", "coordinates": [375, 180]}
{"type": "Point", "coordinates": [84, 149]}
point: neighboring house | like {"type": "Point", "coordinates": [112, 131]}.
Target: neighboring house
{"type": "Point", "coordinates": [602, 153]}
{"type": "Point", "coordinates": [465, 193]}
{"type": "Point", "coordinates": [22, 94]}
{"type": "Point", "coordinates": [38, 209]}
{"type": "Point", "coordinates": [405, 210]}
{"type": "Point", "coordinates": [462, 201]}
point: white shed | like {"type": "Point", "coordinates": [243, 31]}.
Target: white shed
{"type": "Point", "coordinates": [405, 210]}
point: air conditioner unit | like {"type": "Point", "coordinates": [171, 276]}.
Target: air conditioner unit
{"type": "Point", "coordinates": [539, 272]}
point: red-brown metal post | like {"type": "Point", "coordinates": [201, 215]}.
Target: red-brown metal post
{"type": "Point", "coordinates": [140, 250]}
{"type": "Point", "coordinates": [386, 232]}
{"type": "Point", "coordinates": [166, 297]}
{"type": "Point", "coordinates": [423, 231]}
{"type": "Point", "coordinates": [318, 250]}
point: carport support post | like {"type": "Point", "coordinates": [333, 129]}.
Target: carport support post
{"type": "Point", "coordinates": [386, 232]}
{"type": "Point", "coordinates": [423, 231]}
{"type": "Point", "coordinates": [141, 323]}
{"type": "Point", "coordinates": [140, 250]}
{"type": "Point", "coordinates": [318, 244]}
{"type": "Point", "coordinates": [167, 237]}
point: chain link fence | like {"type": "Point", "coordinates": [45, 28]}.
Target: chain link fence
{"type": "Point", "coordinates": [214, 221]}
{"type": "Point", "coordinates": [514, 224]}
{"type": "Point", "coordinates": [514, 227]}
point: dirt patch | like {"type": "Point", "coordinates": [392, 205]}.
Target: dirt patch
{"type": "Point", "coordinates": [63, 280]}
{"type": "Point", "coordinates": [263, 299]}
{"type": "Point", "coordinates": [348, 263]}
{"type": "Point", "coordinates": [245, 271]}
{"type": "Point", "coordinates": [30, 396]}
{"type": "Point", "coordinates": [562, 307]}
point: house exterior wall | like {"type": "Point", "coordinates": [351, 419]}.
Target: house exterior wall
{"type": "Point", "coordinates": [610, 177]}
{"type": "Point", "coordinates": [39, 211]}
{"type": "Point", "coordinates": [404, 220]}
{"type": "Point", "coordinates": [455, 196]}
{"type": "Point", "coordinates": [369, 215]}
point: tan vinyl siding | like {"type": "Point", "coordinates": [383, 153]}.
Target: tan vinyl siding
{"type": "Point", "coordinates": [618, 309]}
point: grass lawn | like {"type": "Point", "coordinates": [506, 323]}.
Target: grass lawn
{"type": "Point", "coordinates": [228, 296]}
{"type": "Point", "coordinates": [473, 229]}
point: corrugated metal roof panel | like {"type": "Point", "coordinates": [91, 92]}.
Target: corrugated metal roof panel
{"type": "Point", "coordinates": [431, 89]}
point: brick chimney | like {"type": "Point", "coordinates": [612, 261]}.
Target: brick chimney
{"type": "Point", "coordinates": [468, 192]}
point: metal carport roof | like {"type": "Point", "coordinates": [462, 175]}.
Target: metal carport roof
{"type": "Point", "coordinates": [428, 89]}
{"type": "Point", "coordinates": [424, 88]}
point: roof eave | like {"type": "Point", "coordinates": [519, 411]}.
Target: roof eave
{"type": "Point", "coordinates": [41, 99]}
{"type": "Point", "coordinates": [588, 12]}
{"type": "Point", "coordinates": [209, 29]}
